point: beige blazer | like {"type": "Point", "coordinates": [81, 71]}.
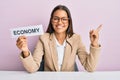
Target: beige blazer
{"type": "Point", "coordinates": [46, 46]}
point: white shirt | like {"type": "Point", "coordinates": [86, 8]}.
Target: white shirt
{"type": "Point", "coordinates": [60, 51]}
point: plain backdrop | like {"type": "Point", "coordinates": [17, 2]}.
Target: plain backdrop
{"type": "Point", "coordinates": [86, 15]}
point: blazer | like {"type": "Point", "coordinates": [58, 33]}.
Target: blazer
{"type": "Point", "coordinates": [46, 46]}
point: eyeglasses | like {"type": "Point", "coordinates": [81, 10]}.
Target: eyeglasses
{"type": "Point", "coordinates": [57, 19]}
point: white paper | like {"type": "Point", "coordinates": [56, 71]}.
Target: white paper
{"type": "Point", "coordinates": [27, 31]}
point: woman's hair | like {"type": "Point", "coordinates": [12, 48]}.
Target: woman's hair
{"type": "Point", "coordinates": [70, 26]}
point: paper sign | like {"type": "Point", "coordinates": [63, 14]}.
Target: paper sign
{"type": "Point", "coordinates": [27, 31]}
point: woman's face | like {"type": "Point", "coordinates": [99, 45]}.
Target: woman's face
{"type": "Point", "coordinates": [60, 21]}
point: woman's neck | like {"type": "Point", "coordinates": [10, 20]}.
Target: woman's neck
{"type": "Point", "coordinates": [60, 37]}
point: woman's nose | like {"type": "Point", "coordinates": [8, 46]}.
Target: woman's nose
{"type": "Point", "coordinates": [60, 21]}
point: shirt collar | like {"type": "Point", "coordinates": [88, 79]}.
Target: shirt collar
{"type": "Point", "coordinates": [57, 43]}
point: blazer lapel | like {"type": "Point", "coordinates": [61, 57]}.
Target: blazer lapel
{"type": "Point", "coordinates": [53, 52]}
{"type": "Point", "coordinates": [67, 53]}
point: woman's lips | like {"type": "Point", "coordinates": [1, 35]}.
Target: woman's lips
{"type": "Point", "coordinates": [59, 27]}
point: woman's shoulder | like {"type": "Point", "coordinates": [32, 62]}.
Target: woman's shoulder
{"type": "Point", "coordinates": [76, 35]}
{"type": "Point", "coordinates": [44, 36]}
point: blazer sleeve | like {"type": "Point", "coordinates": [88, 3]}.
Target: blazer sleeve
{"type": "Point", "coordinates": [88, 60]}
{"type": "Point", "coordinates": [32, 62]}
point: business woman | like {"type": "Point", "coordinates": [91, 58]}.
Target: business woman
{"type": "Point", "coordinates": [60, 45]}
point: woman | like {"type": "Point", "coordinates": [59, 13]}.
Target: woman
{"type": "Point", "coordinates": [60, 45]}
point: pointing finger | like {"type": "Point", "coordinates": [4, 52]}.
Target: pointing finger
{"type": "Point", "coordinates": [99, 28]}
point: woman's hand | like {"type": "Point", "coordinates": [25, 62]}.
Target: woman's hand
{"type": "Point", "coordinates": [94, 36]}
{"type": "Point", "coordinates": [22, 45]}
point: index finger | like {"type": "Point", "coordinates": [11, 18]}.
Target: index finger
{"type": "Point", "coordinates": [99, 28]}
{"type": "Point", "coordinates": [21, 37]}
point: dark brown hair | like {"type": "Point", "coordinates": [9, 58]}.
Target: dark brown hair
{"type": "Point", "coordinates": [70, 26]}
